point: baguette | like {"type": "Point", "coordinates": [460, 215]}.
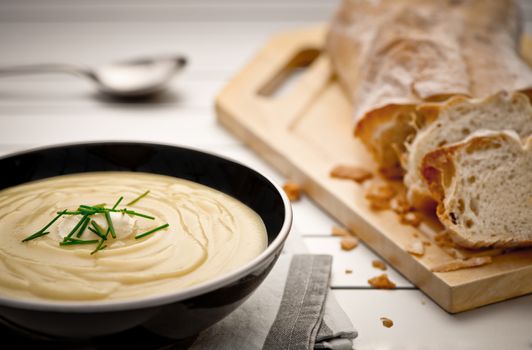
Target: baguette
{"type": "Point", "coordinates": [483, 186]}
{"type": "Point", "coordinates": [454, 120]}
{"type": "Point", "coordinates": [392, 55]}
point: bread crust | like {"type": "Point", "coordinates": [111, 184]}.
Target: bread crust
{"type": "Point", "coordinates": [392, 54]}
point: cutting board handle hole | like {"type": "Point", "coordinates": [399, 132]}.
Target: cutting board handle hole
{"type": "Point", "coordinates": [289, 74]}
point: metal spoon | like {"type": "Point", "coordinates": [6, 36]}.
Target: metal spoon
{"type": "Point", "coordinates": [139, 77]}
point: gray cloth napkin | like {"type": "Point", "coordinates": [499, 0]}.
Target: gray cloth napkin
{"type": "Point", "coordinates": [292, 309]}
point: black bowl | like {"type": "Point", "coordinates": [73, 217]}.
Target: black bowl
{"type": "Point", "coordinates": [183, 313]}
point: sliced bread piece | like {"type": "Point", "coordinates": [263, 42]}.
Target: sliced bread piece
{"type": "Point", "coordinates": [484, 189]}
{"type": "Point", "coordinates": [453, 121]}
{"type": "Point", "coordinates": [392, 55]}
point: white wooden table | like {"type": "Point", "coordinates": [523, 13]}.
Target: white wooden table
{"type": "Point", "coordinates": [218, 37]}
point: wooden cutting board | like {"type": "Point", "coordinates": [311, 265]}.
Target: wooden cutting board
{"type": "Point", "coordinates": [307, 129]}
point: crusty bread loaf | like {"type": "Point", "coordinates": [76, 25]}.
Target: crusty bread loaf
{"type": "Point", "coordinates": [484, 189]}
{"type": "Point", "coordinates": [454, 120]}
{"type": "Point", "coordinates": [392, 55]}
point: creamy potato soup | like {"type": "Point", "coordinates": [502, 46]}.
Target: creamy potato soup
{"type": "Point", "coordinates": [120, 235]}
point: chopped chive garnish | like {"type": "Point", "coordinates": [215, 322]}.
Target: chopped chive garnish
{"type": "Point", "coordinates": [41, 231]}
{"type": "Point", "coordinates": [77, 212]}
{"type": "Point", "coordinates": [86, 212]}
{"type": "Point", "coordinates": [35, 235]}
{"type": "Point", "coordinates": [151, 231]}
{"type": "Point", "coordinates": [93, 210]}
{"type": "Point", "coordinates": [97, 227]}
{"type": "Point", "coordinates": [110, 224]}
{"type": "Point", "coordinates": [92, 207]}
{"type": "Point", "coordinates": [73, 241]}
{"type": "Point", "coordinates": [117, 202]}
{"type": "Point", "coordinates": [97, 230]}
{"type": "Point", "coordinates": [99, 247]}
{"type": "Point", "coordinates": [94, 231]}
{"type": "Point", "coordinates": [78, 225]}
{"type": "Point", "coordinates": [138, 198]}
{"type": "Point", "coordinates": [132, 212]}
{"type": "Point", "coordinates": [54, 220]}
{"type": "Point", "coordinates": [86, 209]}
{"type": "Point", "coordinates": [84, 226]}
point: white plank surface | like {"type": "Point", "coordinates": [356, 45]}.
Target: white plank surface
{"type": "Point", "coordinates": [159, 125]}
{"type": "Point", "coordinates": [419, 324]}
{"type": "Point", "coordinates": [215, 47]}
{"type": "Point", "coordinates": [218, 36]}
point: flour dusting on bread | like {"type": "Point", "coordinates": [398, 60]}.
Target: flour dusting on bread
{"type": "Point", "coordinates": [393, 55]}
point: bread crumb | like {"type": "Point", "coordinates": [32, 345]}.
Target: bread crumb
{"type": "Point", "coordinates": [455, 253]}
{"type": "Point", "coordinates": [443, 239]}
{"type": "Point", "coordinates": [459, 264]}
{"type": "Point", "coordinates": [340, 232]}
{"type": "Point", "coordinates": [423, 302]}
{"type": "Point", "coordinates": [349, 243]}
{"type": "Point", "coordinates": [348, 271]}
{"type": "Point", "coordinates": [400, 205]}
{"type": "Point", "coordinates": [386, 322]}
{"type": "Point", "coordinates": [410, 218]}
{"type": "Point", "coordinates": [379, 265]}
{"type": "Point", "coordinates": [380, 195]}
{"type": "Point", "coordinates": [292, 190]}
{"type": "Point", "coordinates": [379, 204]}
{"type": "Point", "coordinates": [350, 172]}
{"type": "Point", "coordinates": [383, 190]}
{"type": "Point", "coordinates": [381, 282]}
{"type": "Point", "coordinates": [416, 247]}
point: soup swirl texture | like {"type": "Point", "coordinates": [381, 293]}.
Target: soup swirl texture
{"type": "Point", "coordinates": [209, 234]}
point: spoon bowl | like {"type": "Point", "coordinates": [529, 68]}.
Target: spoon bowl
{"type": "Point", "coordinates": [137, 77]}
{"type": "Point", "coordinates": [134, 78]}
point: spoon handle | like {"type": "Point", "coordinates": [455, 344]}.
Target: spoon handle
{"type": "Point", "coordinates": [46, 68]}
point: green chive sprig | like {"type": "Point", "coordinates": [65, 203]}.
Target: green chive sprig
{"type": "Point", "coordinates": [42, 231]}
{"type": "Point", "coordinates": [97, 229]}
{"type": "Point", "coordinates": [91, 210]}
{"type": "Point", "coordinates": [83, 227]}
{"type": "Point", "coordinates": [74, 241]}
{"type": "Point", "coordinates": [110, 224]}
{"type": "Point", "coordinates": [138, 198]}
{"type": "Point", "coordinates": [99, 247]}
{"type": "Point", "coordinates": [118, 202]}
{"type": "Point", "coordinates": [35, 235]}
{"type": "Point", "coordinates": [134, 213]}
{"type": "Point", "coordinates": [151, 231]}
{"type": "Point", "coordinates": [78, 225]}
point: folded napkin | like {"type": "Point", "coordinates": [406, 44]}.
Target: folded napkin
{"type": "Point", "coordinates": [292, 309]}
